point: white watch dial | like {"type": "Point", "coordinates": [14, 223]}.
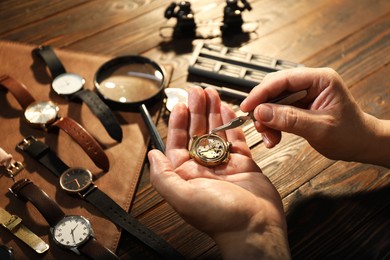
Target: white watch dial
{"type": "Point", "coordinates": [67, 83]}
{"type": "Point", "coordinates": [41, 113]}
{"type": "Point", "coordinates": [72, 231]}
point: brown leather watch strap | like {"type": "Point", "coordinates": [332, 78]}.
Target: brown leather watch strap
{"type": "Point", "coordinates": [85, 140]}
{"type": "Point", "coordinates": [27, 190]}
{"type": "Point", "coordinates": [17, 89]}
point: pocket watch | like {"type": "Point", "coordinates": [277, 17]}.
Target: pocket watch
{"type": "Point", "coordinates": [209, 150]}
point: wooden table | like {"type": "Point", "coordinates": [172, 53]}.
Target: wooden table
{"type": "Point", "coordinates": [335, 209]}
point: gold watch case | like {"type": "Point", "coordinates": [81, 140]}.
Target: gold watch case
{"type": "Point", "coordinates": [209, 150]}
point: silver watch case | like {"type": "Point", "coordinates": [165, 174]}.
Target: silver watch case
{"type": "Point", "coordinates": [59, 225]}
{"type": "Point", "coordinates": [67, 84]}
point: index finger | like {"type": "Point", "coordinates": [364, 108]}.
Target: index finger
{"type": "Point", "coordinates": [291, 80]}
{"type": "Point", "coordinates": [178, 138]}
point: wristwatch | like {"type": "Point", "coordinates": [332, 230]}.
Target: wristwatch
{"type": "Point", "coordinates": [79, 181]}
{"type": "Point", "coordinates": [70, 232]}
{"type": "Point", "coordinates": [71, 86]}
{"type": "Point", "coordinates": [44, 115]}
{"type": "Point", "coordinates": [12, 222]}
{"type": "Point", "coordinates": [209, 150]}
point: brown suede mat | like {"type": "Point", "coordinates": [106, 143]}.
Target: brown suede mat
{"type": "Point", "coordinates": [126, 158]}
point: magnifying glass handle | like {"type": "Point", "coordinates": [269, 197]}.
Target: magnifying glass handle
{"type": "Point", "coordinates": [154, 134]}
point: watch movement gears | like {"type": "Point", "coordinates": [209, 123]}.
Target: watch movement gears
{"type": "Point", "coordinates": [209, 150]}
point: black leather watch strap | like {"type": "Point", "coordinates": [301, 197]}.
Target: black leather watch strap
{"type": "Point", "coordinates": [27, 190]}
{"type": "Point", "coordinates": [117, 215]}
{"type": "Point", "coordinates": [52, 61]}
{"type": "Point", "coordinates": [43, 154]}
{"type": "Point", "coordinates": [102, 111]}
{"type": "Point", "coordinates": [96, 251]}
{"type": "Point", "coordinates": [101, 201]}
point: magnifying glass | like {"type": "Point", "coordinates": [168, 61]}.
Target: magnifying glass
{"type": "Point", "coordinates": [131, 83]}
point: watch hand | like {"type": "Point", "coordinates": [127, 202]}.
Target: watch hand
{"type": "Point", "coordinates": [72, 233]}
{"type": "Point", "coordinates": [74, 228]}
{"type": "Point", "coordinates": [77, 182]}
{"type": "Point", "coordinates": [73, 180]}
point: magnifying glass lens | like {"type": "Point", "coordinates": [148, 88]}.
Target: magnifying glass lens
{"type": "Point", "coordinates": [131, 83]}
{"type": "Point", "coordinates": [128, 81]}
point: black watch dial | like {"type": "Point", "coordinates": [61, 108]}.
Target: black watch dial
{"type": "Point", "coordinates": [75, 179]}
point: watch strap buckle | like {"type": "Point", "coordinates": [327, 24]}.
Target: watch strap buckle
{"type": "Point", "coordinates": [11, 166]}
{"type": "Point", "coordinates": [25, 143]}
{"type": "Point", "coordinates": [12, 223]}
{"type": "Point", "coordinates": [14, 168]}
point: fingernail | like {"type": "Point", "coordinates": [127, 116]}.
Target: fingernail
{"type": "Point", "coordinates": [266, 140]}
{"type": "Point", "coordinates": [265, 113]}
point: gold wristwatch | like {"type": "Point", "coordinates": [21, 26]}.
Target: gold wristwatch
{"type": "Point", "coordinates": [209, 150]}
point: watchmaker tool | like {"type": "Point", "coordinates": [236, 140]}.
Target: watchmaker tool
{"type": "Point", "coordinates": [238, 121]}
{"type": "Point", "coordinates": [233, 65]}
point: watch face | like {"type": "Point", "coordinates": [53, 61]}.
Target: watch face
{"type": "Point", "coordinates": [210, 150]}
{"type": "Point", "coordinates": [41, 113]}
{"type": "Point", "coordinates": [75, 179]}
{"type": "Point", "coordinates": [72, 231]}
{"type": "Point", "coordinates": [67, 83]}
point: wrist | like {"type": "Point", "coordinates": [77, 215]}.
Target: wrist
{"type": "Point", "coordinates": [378, 143]}
{"type": "Point", "coordinates": [259, 241]}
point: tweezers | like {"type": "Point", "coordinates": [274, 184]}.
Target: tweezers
{"type": "Point", "coordinates": [283, 100]}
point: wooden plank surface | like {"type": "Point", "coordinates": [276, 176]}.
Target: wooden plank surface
{"type": "Point", "coordinates": [334, 209]}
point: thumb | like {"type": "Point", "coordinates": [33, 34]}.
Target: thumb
{"type": "Point", "coordinates": [289, 119]}
{"type": "Point", "coordinates": [162, 176]}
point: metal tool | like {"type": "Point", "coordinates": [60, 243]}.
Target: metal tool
{"type": "Point", "coordinates": [224, 91]}
{"type": "Point", "coordinates": [283, 100]}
